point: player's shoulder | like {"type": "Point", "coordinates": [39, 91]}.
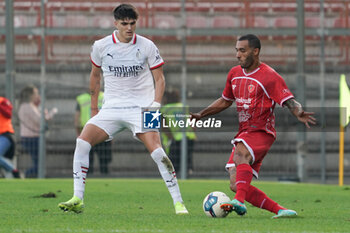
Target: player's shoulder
{"type": "Point", "coordinates": [143, 40]}
{"type": "Point", "coordinates": [104, 41]}
{"type": "Point", "coordinates": [269, 71]}
{"type": "Point", "coordinates": [235, 71]}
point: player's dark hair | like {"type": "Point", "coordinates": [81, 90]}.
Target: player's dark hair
{"type": "Point", "coordinates": [125, 11]}
{"type": "Point", "coordinates": [253, 41]}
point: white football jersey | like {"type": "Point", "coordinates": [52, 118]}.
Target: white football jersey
{"type": "Point", "coordinates": [126, 67]}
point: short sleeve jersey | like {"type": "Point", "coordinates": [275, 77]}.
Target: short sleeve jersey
{"type": "Point", "coordinates": [256, 95]}
{"type": "Point", "coordinates": [126, 68]}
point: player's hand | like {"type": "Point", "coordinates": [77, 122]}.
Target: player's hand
{"type": "Point", "coordinates": [154, 106]}
{"type": "Point", "coordinates": [196, 116]}
{"type": "Point", "coordinates": [307, 118]}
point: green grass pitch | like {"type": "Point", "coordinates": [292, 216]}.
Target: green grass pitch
{"type": "Point", "coordinates": [144, 205]}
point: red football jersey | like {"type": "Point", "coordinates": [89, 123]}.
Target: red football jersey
{"type": "Point", "coordinates": [256, 95]}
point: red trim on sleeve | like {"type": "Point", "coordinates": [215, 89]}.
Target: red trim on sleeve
{"type": "Point", "coordinates": [157, 66]}
{"type": "Point", "coordinates": [95, 64]}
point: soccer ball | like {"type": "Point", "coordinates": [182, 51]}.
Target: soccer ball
{"type": "Point", "coordinates": [212, 202]}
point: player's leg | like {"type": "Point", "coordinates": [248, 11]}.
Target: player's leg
{"type": "Point", "coordinates": [259, 199]}
{"type": "Point", "coordinates": [255, 196]}
{"type": "Point", "coordinates": [241, 175]}
{"type": "Point", "coordinates": [244, 172]}
{"type": "Point", "coordinates": [5, 145]}
{"type": "Point", "coordinates": [90, 136]}
{"type": "Point", "coordinates": [236, 205]}
{"type": "Point", "coordinates": [152, 142]}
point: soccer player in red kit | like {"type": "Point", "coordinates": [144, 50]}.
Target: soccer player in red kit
{"type": "Point", "coordinates": [256, 88]}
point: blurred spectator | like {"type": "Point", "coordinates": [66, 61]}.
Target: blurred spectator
{"type": "Point", "coordinates": [7, 143]}
{"type": "Point", "coordinates": [29, 115]}
{"type": "Point", "coordinates": [172, 136]}
{"type": "Point", "coordinates": [103, 149]}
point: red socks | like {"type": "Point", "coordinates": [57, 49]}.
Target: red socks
{"type": "Point", "coordinates": [258, 198]}
{"type": "Point", "coordinates": [253, 195]}
{"type": "Point", "coordinates": [244, 176]}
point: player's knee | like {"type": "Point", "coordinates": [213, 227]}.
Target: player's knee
{"type": "Point", "coordinates": [240, 158]}
{"type": "Point", "coordinates": [82, 146]}
{"type": "Point", "coordinates": [233, 186]}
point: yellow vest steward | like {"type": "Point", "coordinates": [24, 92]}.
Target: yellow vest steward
{"type": "Point", "coordinates": [84, 101]}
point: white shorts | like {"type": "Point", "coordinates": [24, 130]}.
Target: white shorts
{"type": "Point", "coordinates": [115, 120]}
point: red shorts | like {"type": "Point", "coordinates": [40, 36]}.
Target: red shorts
{"type": "Point", "coordinates": [258, 144]}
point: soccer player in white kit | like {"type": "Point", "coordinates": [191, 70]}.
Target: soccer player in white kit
{"type": "Point", "coordinates": [134, 80]}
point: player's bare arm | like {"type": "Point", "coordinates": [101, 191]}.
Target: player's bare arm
{"type": "Point", "coordinates": [217, 106]}
{"type": "Point", "coordinates": [95, 85]}
{"type": "Point", "coordinates": [159, 81]}
{"type": "Point", "coordinates": [297, 110]}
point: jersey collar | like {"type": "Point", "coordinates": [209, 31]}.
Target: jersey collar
{"type": "Point", "coordinates": [116, 41]}
{"type": "Point", "coordinates": [254, 71]}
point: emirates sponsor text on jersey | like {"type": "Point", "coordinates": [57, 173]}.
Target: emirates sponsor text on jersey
{"type": "Point", "coordinates": [126, 71]}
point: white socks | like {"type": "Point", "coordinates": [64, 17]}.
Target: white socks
{"type": "Point", "coordinates": [167, 172]}
{"type": "Point", "coordinates": [80, 166]}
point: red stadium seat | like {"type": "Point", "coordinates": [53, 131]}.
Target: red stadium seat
{"type": "Point", "coordinates": [312, 7]}
{"type": "Point", "coordinates": [334, 7]}
{"type": "Point", "coordinates": [282, 7]}
{"type": "Point", "coordinates": [259, 6]}
{"type": "Point", "coordinates": [341, 23]}
{"type": "Point", "coordinates": [260, 22]}
{"type": "Point", "coordinates": [312, 22]}
{"type": "Point", "coordinates": [285, 22]}
{"type": "Point", "coordinates": [55, 20]}
{"type": "Point", "coordinates": [196, 21]}
{"type": "Point", "coordinates": [224, 21]}
{"type": "Point", "coordinates": [103, 21]}
{"type": "Point", "coordinates": [165, 6]}
{"type": "Point", "coordinates": [76, 21]}
{"type": "Point", "coordinates": [165, 21]}
{"type": "Point", "coordinates": [227, 6]}
{"type": "Point", "coordinates": [19, 21]}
